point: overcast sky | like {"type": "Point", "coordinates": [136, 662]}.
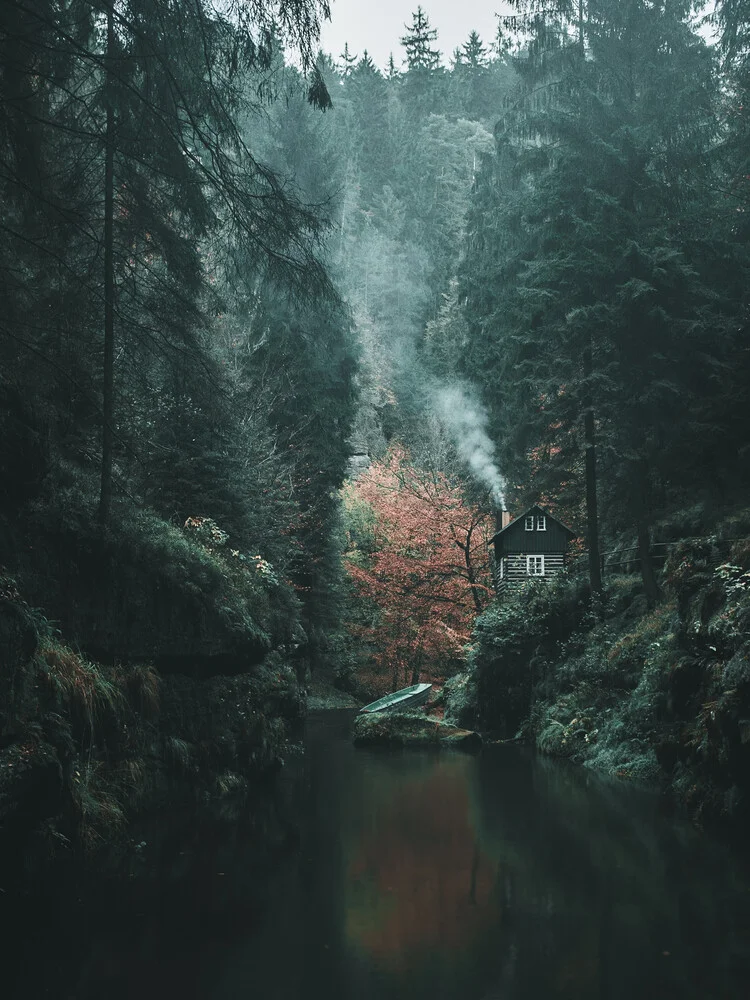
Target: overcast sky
{"type": "Point", "coordinates": [377, 25]}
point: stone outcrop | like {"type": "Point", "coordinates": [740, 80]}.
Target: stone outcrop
{"type": "Point", "coordinates": [401, 729]}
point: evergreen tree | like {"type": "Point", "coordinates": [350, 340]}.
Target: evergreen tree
{"type": "Point", "coordinates": [472, 81]}
{"type": "Point", "coordinates": [417, 42]}
{"type": "Point", "coordinates": [365, 64]}
{"type": "Point", "coordinates": [347, 62]}
{"type": "Point", "coordinates": [367, 91]}
{"type": "Point", "coordinates": [473, 52]}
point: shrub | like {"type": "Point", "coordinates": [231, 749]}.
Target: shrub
{"type": "Point", "coordinates": [460, 699]}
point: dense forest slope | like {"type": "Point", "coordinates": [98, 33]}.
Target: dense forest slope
{"type": "Point", "coordinates": [175, 394]}
{"type": "Point", "coordinates": [657, 695]}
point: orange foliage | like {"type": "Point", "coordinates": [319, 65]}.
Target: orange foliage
{"type": "Point", "coordinates": [425, 568]}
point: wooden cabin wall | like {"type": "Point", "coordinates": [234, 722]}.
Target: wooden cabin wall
{"type": "Point", "coordinates": [516, 568]}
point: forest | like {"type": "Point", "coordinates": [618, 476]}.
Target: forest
{"type": "Point", "coordinates": [283, 332]}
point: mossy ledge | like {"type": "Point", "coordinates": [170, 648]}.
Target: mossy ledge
{"type": "Point", "coordinates": [170, 673]}
{"type": "Point", "coordinates": [655, 695]}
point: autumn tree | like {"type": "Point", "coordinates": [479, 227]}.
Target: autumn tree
{"type": "Point", "coordinates": [417, 553]}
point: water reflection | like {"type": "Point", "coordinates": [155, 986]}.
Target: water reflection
{"type": "Point", "coordinates": [448, 876]}
{"type": "Point", "coordinates": [419, 888]}
{"type": "Point", "coordinates": [424, 875]}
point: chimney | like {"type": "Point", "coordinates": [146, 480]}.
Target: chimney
{"type": "Point", "coordinates": [502, 519]}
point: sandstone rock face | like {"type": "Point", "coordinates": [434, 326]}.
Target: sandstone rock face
{"type": "Point", "coordinates": [401, 729]}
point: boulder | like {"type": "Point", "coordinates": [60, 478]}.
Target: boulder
{"type": "Point", "coordinates": [401, 729]}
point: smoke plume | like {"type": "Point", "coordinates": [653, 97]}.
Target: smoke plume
{"type": "Point", "coordinates": [465, 421]}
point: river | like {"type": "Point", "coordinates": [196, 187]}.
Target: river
{"type": "Point", "coordinates": [402, 875]}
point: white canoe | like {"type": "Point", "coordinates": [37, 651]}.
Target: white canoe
{"type": "Point", "coordinates": [417, 694]}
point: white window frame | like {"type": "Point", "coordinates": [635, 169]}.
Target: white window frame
{"type": "Point", "coordinates": [533, 563]}
{"type": "Point", "coordinates": [541, 523]}
{"type": "Point", "coordinates": [529, 522]}
{"type": "Point", "coordinates": [502, 567]}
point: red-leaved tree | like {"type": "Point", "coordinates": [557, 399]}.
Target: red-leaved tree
{"type": "Point", "coordinates": [417, 554]}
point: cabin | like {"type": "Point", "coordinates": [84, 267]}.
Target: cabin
{"type": "Point", "coordinates": [533, 546]}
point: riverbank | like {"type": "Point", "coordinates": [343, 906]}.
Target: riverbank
{"type": "Point", "coordinates": [654, 695]}
{"type": "Point", "coordinates": [322, 695]}
{"type": "Point", "coordinates": [168, 672]}
{"type": "Point", "coordinates": [88, 749]}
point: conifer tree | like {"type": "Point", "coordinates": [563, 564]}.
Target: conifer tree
{"type": "Point", "coordinates": [420, 56]}
{"type": "Point", "coordinates": [473, 52]}
{"type": "Point", "coordinates": [347, 62]}
{"type": "Point", "coordinates": [472, 83]}
{"type": "Point", "coordinates": [365, 64]}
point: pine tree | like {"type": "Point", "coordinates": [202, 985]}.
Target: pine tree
{"type": "Point", "coordinates": [473, 52]}
{"type": "Point", "coordinates": [472, 82]}
{"type": "Point", "coordinates": [420, 57]}
{"type": "Point", "coordinates": [365, 64]}
{"type": "Point", "coordinates": [347, 62]}
{"type": "Point", "coordinates": [368, 93]}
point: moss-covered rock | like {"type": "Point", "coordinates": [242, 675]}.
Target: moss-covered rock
{"type": "Point", "coordinates": [85, 747]}
{"type": "Point", "coordinates": [402, 729]}
{"type": "Point", "coordinates": [145, 590]}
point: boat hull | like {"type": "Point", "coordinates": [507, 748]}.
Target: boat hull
{"type": "Point", "coordinates": [409, 697]}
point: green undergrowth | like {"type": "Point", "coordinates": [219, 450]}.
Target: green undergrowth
{"type": "Point", "coordinates": [658, 695]}
{"type": "Point", "coordinates": [146, 589]}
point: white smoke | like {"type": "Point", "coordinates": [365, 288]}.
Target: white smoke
{"type": "Point", "coordinates": [465, 421]}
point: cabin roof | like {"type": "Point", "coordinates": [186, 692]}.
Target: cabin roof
{"type": "Point", "coordinates": [535, 508]}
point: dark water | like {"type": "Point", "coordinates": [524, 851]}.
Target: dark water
{"type": "Point", "coordinates": [402, 875]}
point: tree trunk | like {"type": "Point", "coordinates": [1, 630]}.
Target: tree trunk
{"type": "Point", "coordinates": [648, 573]}
{"type": "Point", "coordinates": [592, 516]}
{"type": "Point", "coordinates": [105, 495]}
{"type": "Point", "coordinates": [470, 574]}
{"type": "Point", "coordinates": [581, 36]}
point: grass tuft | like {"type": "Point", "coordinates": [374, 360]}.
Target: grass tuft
{"type": "Point", "coordinates": [178, 754]}
{"type": "Point", "coordinates": [141, 683]}
{"type": "Point", "coordinates": [82, 686]}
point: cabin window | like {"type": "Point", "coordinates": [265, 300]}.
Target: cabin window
{"type": "Point", "coordinates": [541, 523]}
{"type": "Point", "coordinates": [529, 523]}
{"type": "Point", "coordinates": [535, 565]}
